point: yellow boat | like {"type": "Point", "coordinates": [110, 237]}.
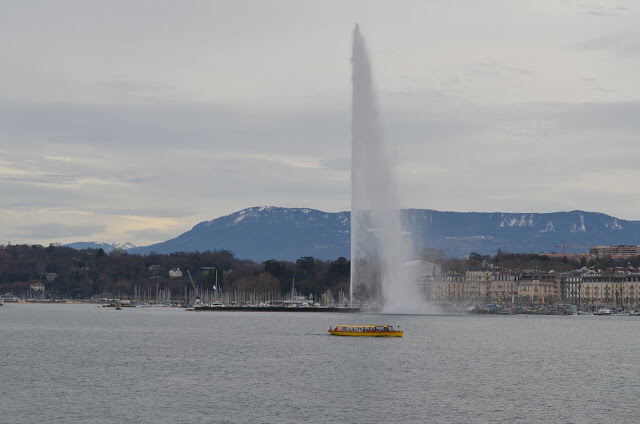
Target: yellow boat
{"type": "Point", "coordinates": [365, 330]}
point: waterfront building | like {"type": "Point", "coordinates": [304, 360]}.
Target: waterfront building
{"type": "Point", "coordinates": [427, 273]}
{"type": "Point", "coordinates": [536, 288]}
{"type": "Point", "coordinates": [631, 291]}
{"type": "Point", "coordinates": [584, 287]}
{"type": "Point", "coordinates": [615, 252]}
{"type": "Point", "coordinates": [479, 285]}
{"type": "Point", "coordinates": [573, 284]}
{"type": "Point", "coordinates": [602, 289]}
{"type": "Point", "coordinates": [502, 287]}
{"type": "Point", "coordinates": [449, 288]}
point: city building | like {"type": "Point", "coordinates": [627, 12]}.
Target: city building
{"type": "Point", "coordinates": [175, 273]}
{"type": "Point", "coordinates": [615, 252]}
{"type": "Point", "coordinates": [37, 287]}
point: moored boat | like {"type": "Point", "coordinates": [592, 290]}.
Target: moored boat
{"type": "Point", "coordinates": [365, 330]}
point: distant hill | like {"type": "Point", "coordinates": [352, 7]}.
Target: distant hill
{"type": "Point", "coordinates": [458, 234]}
{"type": "Point", "coordinates": [107, 247]}
{"type": "Point", "coordinates": [262, 233]}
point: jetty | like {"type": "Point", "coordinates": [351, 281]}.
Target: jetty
{"type": "Point", "coordinates": [274, 309]}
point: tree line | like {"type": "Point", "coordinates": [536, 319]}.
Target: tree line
{"type": "Point", "coordinates": [71, 273]}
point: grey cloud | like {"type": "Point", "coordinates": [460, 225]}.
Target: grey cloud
{"type": "Point", "coordinates": [54, 230]}
{"type": "Point", "coordinates": [42, 179]}
{"type": "Point", "coordinates": [434, 118]}
{"type": "Point", "coordinates": [263, 180]}
{"type": "Point", "coordinates": [600, 43]}
{"type": "Point", "coordinates": [496, 70]}
{"type": "Point", "coordinates": [25, 195]}
{"type": "Point", "coordinates": [129, 87]}
{"type": "Point", "coordinates": [553, 141]}
{"type": "Point", "coordinates": [118, 124]}
{"type": "Point", "coordinates": [604, 10]}
{"type": "Point", "coordinates": [154, 234]}
{"type": "Point", "coordinates": [153, 212]}
{"type": "Point", "coordinates": [170, 124]}
{"type": "Point", "coordinates": [612, 117]}
{"type": "Point", "coordinates": [547, 119]}
{"type": "Point", "coordinates": [339, 164]}
{"type": "Point", "coordinates": [519, 71]}
{"type": "Point", "coordinates": [604, 14]}
{"type": "Point", "coordinates": [620, 43]}
{"type": "Point", "coordinates": [64, 193]}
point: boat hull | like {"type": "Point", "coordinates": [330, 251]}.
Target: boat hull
{"type": "Point", "coordinates": [367, 333]}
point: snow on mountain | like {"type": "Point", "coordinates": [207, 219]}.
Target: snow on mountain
{"type": "Point", "coordinates": [549, 228]}
{"type": "Point", "coordinates": [107, 247]}
{"type": "Point", "coordinates": [513, 221]}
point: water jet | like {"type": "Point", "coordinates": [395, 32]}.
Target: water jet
{"type": "Point", "coordinates": [381, 248]}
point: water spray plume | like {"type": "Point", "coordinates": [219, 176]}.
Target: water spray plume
{"type": "Point", "coordinates": [381, 251]}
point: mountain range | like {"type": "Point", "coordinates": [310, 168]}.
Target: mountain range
{"type": "Point", "coordinates": [261, 233]}
{"type": "Point", "coordinates": [107, 247]}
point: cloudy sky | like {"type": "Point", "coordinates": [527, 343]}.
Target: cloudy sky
{"type": "Point", "coordinates": [135, 120]}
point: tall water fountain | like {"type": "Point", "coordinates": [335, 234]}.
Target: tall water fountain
{"type": "Point", "coordinates": [381, 250]}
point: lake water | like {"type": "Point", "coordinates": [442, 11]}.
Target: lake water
{"type": "Point", "coordinates": [86, 364]}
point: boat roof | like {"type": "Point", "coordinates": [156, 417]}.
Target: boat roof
{"type": "Point", "coordinates": [368, 326]}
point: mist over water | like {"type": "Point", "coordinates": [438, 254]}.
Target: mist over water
{"type": "Point", "coordinates": [381, 250]}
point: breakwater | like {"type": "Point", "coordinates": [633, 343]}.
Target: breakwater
{"type": "Point", "coordinates": [272, 309]}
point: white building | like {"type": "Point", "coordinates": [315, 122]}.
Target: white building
{"type": "Point", "coordinates": [175, 273]}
